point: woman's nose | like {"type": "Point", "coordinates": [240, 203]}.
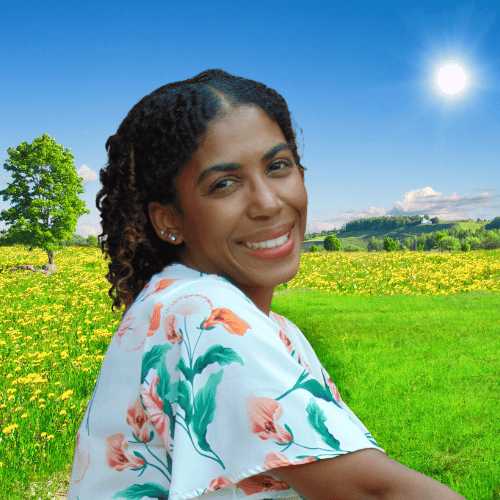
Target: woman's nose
{"type": "Point", "coordinates": [265, 200]}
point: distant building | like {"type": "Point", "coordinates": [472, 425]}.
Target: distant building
{"type": "Point", "coordinates": [425, 221]}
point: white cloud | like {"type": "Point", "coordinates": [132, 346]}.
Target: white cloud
{"type": "Point", "coordinates": [482, 204]}
{"type": "Point", "coordinates": [446, 207]}
{"type": "Point", "coordinates": [88, 227]}
{"type": "Point", "coordinates": [87, 174]}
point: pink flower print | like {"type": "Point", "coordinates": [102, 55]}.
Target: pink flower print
{"type": "Point", "coordinates": [161, 285]}
{"type": "Point", "coordinates": [116, 454]}
{"type": "Point", "coordinates": [218, 483]}
{"type": "Point", "coordinates": [174, 336]}
{"type": "Point", "coordinates": [154, 407]}
{"type": "Point", "coordinates": [230, 321]}
{"type": "Point", "coordinates": [137, 418]}
{"type": "Point", "coordinates": [278, 459]}
{"type": "Point", "coordinates": [189, 304]}
{"type": "Point", "coordinates": [155, 320]}
{"type": "Point", "coordinates": [286, 341]}
{"type": "Point", "coordinates": [81, 461]}
{"type": "Point", "coordinates": [261, 482]}
{"type": "Point", "coordinates": [333, 390]}
{"type": "Point", "coordinates": [283, 322]}
{"type": "Point", "coordinates": [262, 416]}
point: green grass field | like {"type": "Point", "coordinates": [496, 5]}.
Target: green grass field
{"type": "Point", "coordinates": [421, 371]}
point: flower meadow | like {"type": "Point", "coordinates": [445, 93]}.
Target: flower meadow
{"type": "Point", "coordinates": [54, 332]}
{"type": "Point", "coordinates": [393, 273]}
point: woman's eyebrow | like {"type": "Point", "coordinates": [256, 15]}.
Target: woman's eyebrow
{"type": "Point", "coordinates": [229, 167]}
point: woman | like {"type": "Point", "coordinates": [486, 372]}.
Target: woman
{"type": "Point", "coordinates": [204, 392]}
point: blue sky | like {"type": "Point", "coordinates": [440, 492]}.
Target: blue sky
{"type": "Point", "coordinates": [379, 139]}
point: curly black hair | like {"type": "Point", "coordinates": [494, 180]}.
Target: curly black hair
{"type": "Point", "coordinates": [151, 145]}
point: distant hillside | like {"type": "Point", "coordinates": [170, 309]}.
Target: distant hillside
{"type": "Point", "coordinates": [361, 237]}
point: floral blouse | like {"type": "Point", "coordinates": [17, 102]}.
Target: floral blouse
{"type": "Point", "coordinates": [201, 395]}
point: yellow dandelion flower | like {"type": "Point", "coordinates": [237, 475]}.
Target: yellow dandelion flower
{"type": "Point", "coordinates": [66, 394]}
{"type": "Point", "coordinates": [10, 428]}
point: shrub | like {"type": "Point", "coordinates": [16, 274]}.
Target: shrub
{"type": "Point", "coordinates": [332, 243]}
{"type": "Point", "coordinates": [390, 245]}
{"type": "Point", "coordinates": [449, 243]}
{"type": "Point", "coordinates": [352, 248]}
{"type": "Point", "coordinates": [314, 248]}
{"type": "Point", "coordinates": [374, 244]}
{"type": "Point", "coordinates": [465, 247]}
{"type": "Point", "coordinates": [490, 241]}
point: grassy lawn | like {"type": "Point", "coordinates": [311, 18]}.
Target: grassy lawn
{"type": "Point", "coordinates": [421, 372]}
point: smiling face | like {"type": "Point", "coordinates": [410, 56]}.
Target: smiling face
{"type": "Point", "coordinates": [243, 205]}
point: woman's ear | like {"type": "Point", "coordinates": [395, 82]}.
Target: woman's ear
{"type": "Point", "coordinates": [165, 220]}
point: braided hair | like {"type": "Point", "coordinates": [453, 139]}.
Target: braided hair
{"type": "Point", "coordinates": [151, 145]}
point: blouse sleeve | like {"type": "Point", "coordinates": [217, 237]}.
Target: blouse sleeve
{"type": "Point", "coordinates": [228, 398]}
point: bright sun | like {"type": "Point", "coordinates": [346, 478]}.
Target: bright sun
{"type": "Point", "coordinates": [451, 79]}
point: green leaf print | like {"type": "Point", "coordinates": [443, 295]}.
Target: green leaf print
{"type": "Point", "coordinates": [181, 365]}
{"type": "Point", "coordinates": [139, 491]}
{"type": "Point", "coordinates": [153, 358]}
{"type": "Point", "coordinates": [204, 408]}
{"type": "Point", "coordinates": [318, 391]}
{"type": "Point", "coordinates": [216, 354]}
{"type": "Point", "coordinates": [184, 400]}
{"type": "Point", "coordinates": [166, 390]}
{"type": "Point", "coordinates": [316, 418]}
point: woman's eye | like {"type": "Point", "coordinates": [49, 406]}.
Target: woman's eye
{"type": "Point", "coordinates": [281, 165]}
{"type": "Point", "coordinates": [222, 184]}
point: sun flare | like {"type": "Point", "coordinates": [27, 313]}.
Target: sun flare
{"type": "Point", "coordinates": [451, 79]}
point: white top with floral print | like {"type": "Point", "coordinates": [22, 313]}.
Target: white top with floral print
{"type": "Point", "coordinates": [201, 394]}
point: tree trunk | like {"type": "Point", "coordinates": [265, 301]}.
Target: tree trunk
{"type": "Point", "coordinates": [51, 258]}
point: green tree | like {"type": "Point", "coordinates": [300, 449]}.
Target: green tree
{"type": "Point", "coordinates": [494, 224]}
{"type": "Point", "coordinates": [490, 240]}
{"type": "Point", "coordinates": [449, 243]}
{"type": "Point", "coordinates": [390, 245]}
{"type": "Point", "coordinates": [92, 240]}
{"type": "Point", "coordinates": [332, 243]}
{"type": "Point", "coordinates": [438, 237]}
{"type": "Point", "coordinates": [374, 244]}
{"type": "Point", "coordinates": [44, 195]}
{"type": "Point", "coordinates": [435, 220]}
{"type": "Point", "coordinates": [314, 248]}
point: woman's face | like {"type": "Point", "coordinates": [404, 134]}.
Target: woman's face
{"type": "Point", "coordinates": [243, 203]}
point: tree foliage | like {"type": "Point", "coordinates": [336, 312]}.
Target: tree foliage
{"type": "Point", "coordinates": [332, 243]}
{"type": "Point", "coordinates": [494, 224]}
{"type": "Point", "coordinates": [390, 245]}
{"type": "Point", "coordinates": [45, 206]}
{"type": "Point", "coordinates": [383, 222]}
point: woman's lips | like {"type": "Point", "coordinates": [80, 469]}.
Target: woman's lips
{"type": "Point", "coordinates": [279, 251]}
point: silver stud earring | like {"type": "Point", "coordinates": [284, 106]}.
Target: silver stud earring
{"type": "Point", "coordinates": [172, 237]}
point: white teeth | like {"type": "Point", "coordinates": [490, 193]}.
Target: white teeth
{"type": "Point", "coordinates": [269, 243]}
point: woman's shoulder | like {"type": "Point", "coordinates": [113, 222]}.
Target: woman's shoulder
{"type": "Point", "coordinates": [177, 280]}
